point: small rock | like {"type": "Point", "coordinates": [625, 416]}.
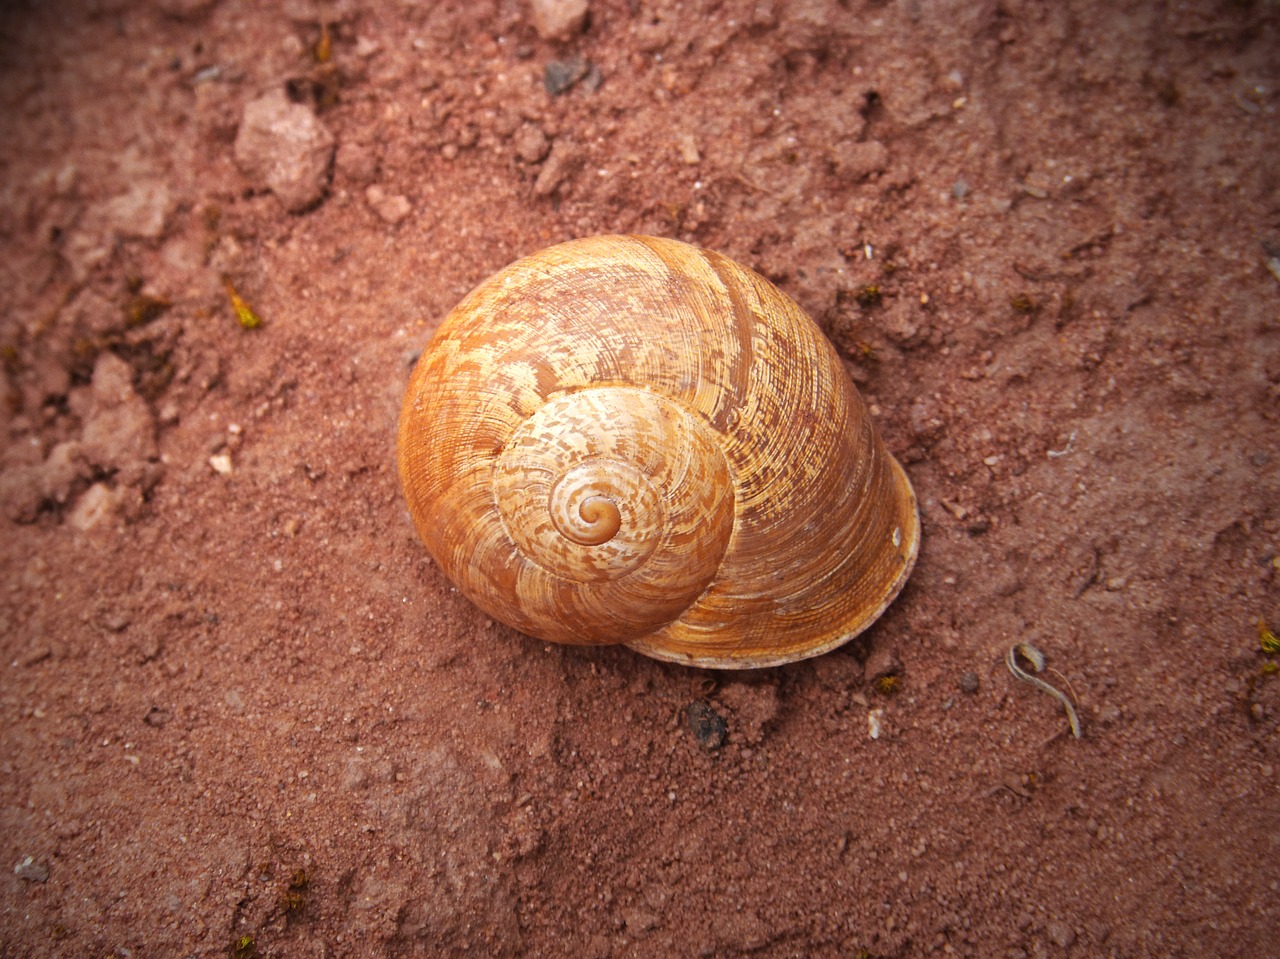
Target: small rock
{"type": "Point", "coordinates": [119, 432]}
{"type": "Point", "coordinates": [708, 726]}
{"type": "Point", "coordinates": [148, 648]}
{"type": "Point", "coordinates": [221, 463]}
{"type": "Point", "coordinates": [688, 149]}
{"type": "Point", "coordinates": [282, 147]}
{"type": "Point", "coordinates": [563, 161]}
{"type": "Point", "coordinates": [531, 144]}
{"type": "Point", "coordinates": [639, 921]}
{"type": "Point", "coordinates": [357, 161]}
{"type": "Point", "coordinates": [355, 776]}
{"type": "Point", "coordinates": [31, 871]}
{"type": "Point", "coordinates": [157, 716]}
{"type": "Point", "coordinates": [391, 208]}
{"type": "Point", "coordinates": [858, 161]}
{"type": "Point", "coordinates": [559, 76]}
{"type": "Point", "coordinates": [1109, 715]}
{"type": "Point", "coordinates": [1060, 934]}
{"type": "Point", "coordinates": [96, 505]}
{"type": "Point", "coordinates": [754, 706]}
{"type": "Point", "coordinates": [1007, 582]}
{"type": "Point", "coordinates": [900, 322]}
{"type": "Point", "coordinates": [839, 672]}
{"type": "Point", "coordinates": [882, 661]}
{"type": "Point", "coordinates": [559, 19]}
{"type": "Point", "coordinates": [969, 683]}
{"type": "Point", "coordinates": [926, 425]}
{"type": "Point", "coordinates": [92, 314]}
{"type": "Point", "coordinates": [120, 436]}
{"type": "Point", "coordinates": [85, 249]}
{"type": "Point", "coordinates": [874, 728]}
{"type": "Point", "coordinates": [112, 380]}
{"type": "Point", "coordinates": [143, 212]}
{"type": "Point", "coordinates": [64, 469]}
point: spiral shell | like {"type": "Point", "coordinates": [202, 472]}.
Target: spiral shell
{"type": "Point", "coordinates": [632, 440]}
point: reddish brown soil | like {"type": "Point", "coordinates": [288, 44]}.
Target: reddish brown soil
{"type": "Point", "coordinates": [244, 714]}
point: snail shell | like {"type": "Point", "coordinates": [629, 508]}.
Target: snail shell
{"type": "Point", "coordinates": [625, 439]}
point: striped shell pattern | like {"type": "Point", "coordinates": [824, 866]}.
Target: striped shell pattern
{"type": "Point", "coordinates": [633, 440]}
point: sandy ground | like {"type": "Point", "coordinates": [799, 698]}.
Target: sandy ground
{"type": "Point", "coordinates": [244, 714]}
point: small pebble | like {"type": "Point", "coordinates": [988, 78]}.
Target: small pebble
{"type": "Point", "coordinates": [1061, 935]}
{"type": "Point", "coordinates": [969, 683]}
{"type": "Point", "coordinates": [979, 526]}
{"type": "Point", "coordinates": [31, 871]}
{"type": "Point", "coordinates": [563, 161]}
{"type": "Point", "coordinates": [391, 208]}
{"type": "Point", "coordinates": [560, 75]}
{"type": "Point", "coordinates": [283, 147]}
{"type": "Point", "coordinates": [156, 716]}
{"type": "Point", "coordinates": [531, 144]}
{"type": "Point", "coordinates": [708, 726]}
{"type": "Point", "coordinates": [688, 149]}
{"type": "Point", "coordinates": [559, 19]}
{"type": "Point", "coordinates": [96, 505]}
{"type": "Point", "coordinates": [221, 464]}
{"type": "Point", "coordinates": [114, 621]}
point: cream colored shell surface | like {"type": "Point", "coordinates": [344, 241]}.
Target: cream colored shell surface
{"type": "Point", "coordinates": [629, 439]}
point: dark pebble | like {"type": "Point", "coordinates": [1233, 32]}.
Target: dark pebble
{"type": "Point", "coordinates": [979, 526]}
{"type": "Point", "coordinates": [708, 726]}
{"type": "Point", "coordinates": [969, 683]}
{"type": "Point", "coordinates": [560, 75]}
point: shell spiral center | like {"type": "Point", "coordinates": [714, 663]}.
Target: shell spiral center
{"type": "Point", "coordinates": [618, 485]}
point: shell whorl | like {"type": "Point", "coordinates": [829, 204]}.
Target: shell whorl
{"type": "Point", "coordinates": [628, 439]}
{"type": "Point", "coordinates": [663, 500]}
